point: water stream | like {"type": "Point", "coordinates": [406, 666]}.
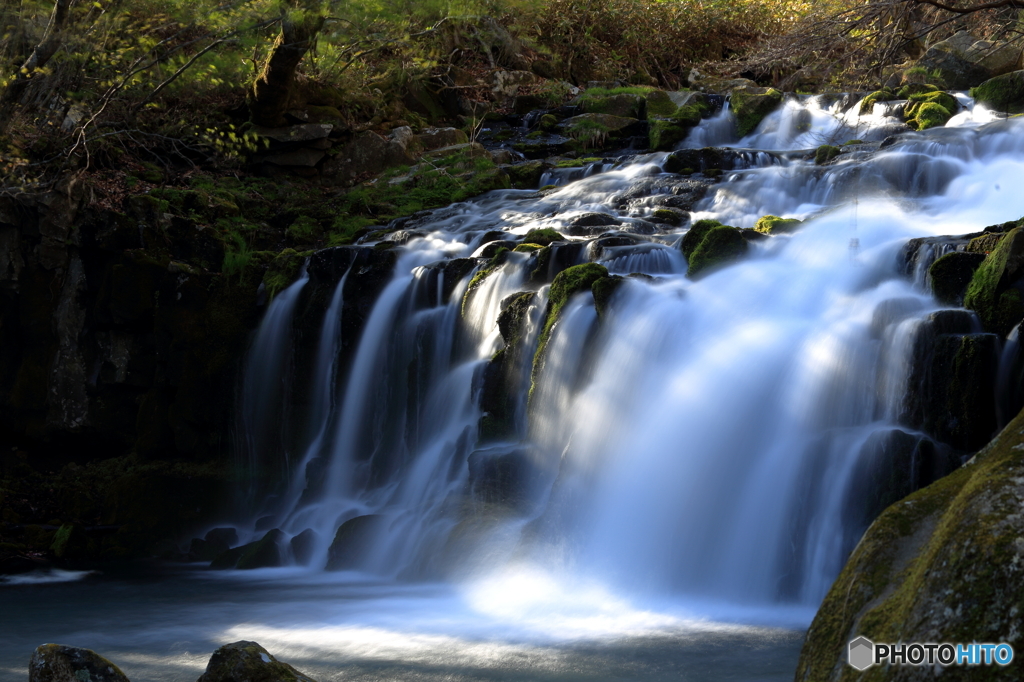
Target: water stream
{"type": "Point", "coordinates": [684, 474]}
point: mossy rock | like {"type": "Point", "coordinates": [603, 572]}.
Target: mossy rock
{"type": "Point", "coordinates": [867, 104]}
{"type": "Point", "coordinates": [951, 274]}
{"type": "Point", "coordinates": [722, 245]}
{"type": "Point", "coordinates": [1003, 93]}
{"type": "Point", "coordinates": [59, 663]}
{"type": "Point", "coordinates": [751, 105]}
{"type": "Point", "coordinates": [930, 115]}
{"type": "Point", "coordinates": [566, 283]}
{"type": "Point", "coordinates": [665, 135]}
{"type": "Point", "coordinates": [659, 104]}
{"type": "Point", "coordinates": [692, 239]}
{"type": "Point", "coordinates": [773, 224]}
{"type": "Point", "coordinates": [542, 236]}
{"type": "Point", "coordinates": [264, 553]}
{"type": "Point", "coordinates": [594, 130]}
{"type": "Point", "coordinates": [250, 662]}
{"type": "Point", "coordinates": [283, 271]}
{"type": "Point", "coordinates": [825, 153]}
{"type": "Point", "coordinates": [604, 289]}
{"type": "Point", "coordinates": [351, 541]}
{"type": "Point", "coordinates": [991, 292]}
{"type": "Point", "coordinates": [503, 375]}
{"type": "Point", "coordinates": [669, 216]}
{"type": "Point", "coordinates": [986, 243]}
{"type": "Point", "coordinates": [548, 122]}
{"type": "Point", "coordinates": [929, 109]}
{"type": "Point", "coordinates": [625, 105]}
{"type": "Point", "coordinates": [944, 564]}
{"type": "Point", "coordinates": [915, 89]}
{"type": "Point", "coordinates": [527, 248]}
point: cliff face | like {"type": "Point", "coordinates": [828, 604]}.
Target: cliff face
{"type": "Point", "coordinates": [946, 564]}
{"type": "Point", "coordinates": [109, 336]}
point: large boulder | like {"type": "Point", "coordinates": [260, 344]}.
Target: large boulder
{"type": "Point", "coordinates": [625, 105]}
{"type": "Point", "coordinates": [751, 104]}
{"type": "Point", "coordinates": [721, 244]}
{"type": "Point", "coordinates": [365, 154]}
{"type": "Point", "coordinates": [59, 663]}
{"type": "Point", "coordinates": [946, 564]}
{"type": "Point", "coordinates": [351, 541]}
{"type": "Point", "coordinates": [962, 61]}
{"type": "Point", "coordinates": [594, 131]}
{"type": "Point", "coordinates": [951, 273]}
{"type": "Point", "coordinates": [249, 662]}
{"type": "Point", "coordinates": [1003, 93]}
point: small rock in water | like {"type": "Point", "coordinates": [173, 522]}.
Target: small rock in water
{"type": "Point", "coordinates": [59, 663]}
{"type": "Point", "coordinates": [249, 662]}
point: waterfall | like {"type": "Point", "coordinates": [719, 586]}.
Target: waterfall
{"type": "Point", "coordinates": [709, 438]}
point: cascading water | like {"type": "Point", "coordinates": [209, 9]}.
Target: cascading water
{"type": "Point", "coordinates": [704, 438]}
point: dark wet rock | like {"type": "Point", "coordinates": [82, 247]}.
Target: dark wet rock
{"type": "Point", "coordinates": [542, 237]}
{"type": "Point", "coordinates": [751, 104]}
{"type": "Point", "coordinates": [352, 540]}
{"type": "Point", "coordinates": [249, 662]}
{"type": "Point", "coordinates": [893, 311]}
{"type": "Point", "coordinates": [213, 544]}
{"type": "Point", "coordinates": [951, 274]}
{"type": "Point", "coordinates": [366, 154]}
{"type": "Point", "coordinates": [622, 105]}
{"type": "Point", "coordinates": [666, 191]}
{"type": "Point", "coordinates": [599, 131]}
{"type": "Point", "coordinates": [504, 476]}
{"type": "Point", "coordinates": [553, 259]}
{"type": "Point", "coordinates": [604, 290]}
{"type": "Point", "coordinates": [543, 146]}
{"type": "Point", "coordinates": [700, 160]}
{"type": "Point", "coordinates": [302, 546]}
{"type": "Point", "coordinates": [527, 175]}
{"type": "Point", "coordinates": [506, 376]}
{"type": "Point", "coordinates": [721, 245]}
{"type": "Point", "coordinates": [591, 223]}
{"type": "Point", "coordinates": [438, 138]}
{"type": "Point", "coordinates": [59, 663]}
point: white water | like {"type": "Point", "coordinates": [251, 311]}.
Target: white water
{"type": "Point", "coordinates": [691, 455]}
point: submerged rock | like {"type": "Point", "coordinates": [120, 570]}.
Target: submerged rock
{"type": "Point", "coordinates": [249, 662]}
{"type": "Point", "coordinates": [351, 541]}
{"type": "Point", "coordinates": [946, 564]}
{"type": "Point", "coordinates": [59, 663]}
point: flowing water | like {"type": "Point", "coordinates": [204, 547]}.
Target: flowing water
{"type": "Point", "coordinates": [683, 473]}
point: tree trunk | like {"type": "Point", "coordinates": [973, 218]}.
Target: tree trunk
{"type": "Point", "coordinates": [47, 47]}
{"type": "Point", "coordinates": [273, 91]}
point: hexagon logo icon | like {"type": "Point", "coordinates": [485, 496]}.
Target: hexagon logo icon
{"type": "Point", "coordinates": [861, 653]}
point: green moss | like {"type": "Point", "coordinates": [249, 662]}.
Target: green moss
{"type": "Point", "coordinates": [867, 105]}
{"type": "Point", "coordinates": [721, 245]}
{"type": "Point", "coordinates": [825, 153]}
{"type": "Point", "coordinates": [527, 248]}
{"type": "Point", "coordinates": [304, 230]}
{"type": "Point", "coordinates": [773, 224]}
{"type": "Point", "coordinates": [577, 163]}
{"type": "Point", "coordinates": [604, 289]}
{"type": "Point", "coordinates": [542, 236]}
{"type": "Point", "coordinates": [695, 235]}
{"type": "Point", "coordinates": [667, 215]}
{"type": "Point", "coordinates": [914, 89]}
{"type": "Point", "coordinates": [659, 104]}
{"type": "Point", "coordinates": [1003, 93]}
{"type": "Point", "coordinates": [499, 258]}
{"type": "Point", "coordinates": [751, 105]}
{"type": "Point", "coordinates": [526, 175]}
{"type": "Point", "coordinates": [568, 282]}
{"type": "Point", "coordinates": [992, 279]}
{"type": "Point", "coordinates": [665, 135]}
{"type": "Point", "coordinates": [852, 142]}
{"type": "Point", "coordinates": [283, 270]}
{"type": "Point", "coordinates": [929, 109]}
{"type": "Point", "coordinates": [548, 123]}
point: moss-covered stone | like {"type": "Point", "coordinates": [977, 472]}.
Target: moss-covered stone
{"type": "Point", "coordinates": [751, 105]}
{"type": "Point", "coordinates": [250, 662]}
{"type": "Point", "coordinates": [773, 224]}
{"type": "Point", "coordinates": [695, 235]}
{"type": "Point", "coordinates": [283, 270]}
{"type": "Point", "coordinates": [664, 135]}
{"type": "Point", "coordinates": [526, 175]}
{"type": "Point", "coordinates": [504, 375]}
{"type": "Point", "coordinates": [951, 274]}
{"type": "Point", "coordinates": [59, 663]}
{"type": "Point", "coordinates": [992, 293]}
{"type": "Point", "coordinates": [669, 216]}
{"type": "Point", "coordinates": [986, 243]}
{"type": "Point", "coordinates": [721, 245]}
{"type": "Point", "coordinates": [929, 110]}
{"type": "Point", "coordinates": [867, 104]}
{"type": "Point", "coordinates": [1003, 93]}
{"type": "Point", "coordinates": [542, 236]}
{"type": "Point", "coordinates": [604, 289]}
{"type": "Point", "coordinates": [825, 153]}
{"type": "Point", "coordinates": [594, 131]}
{"type": "Point", "coordinates": [659, 104]}
{"type": "Point", "coordinates": [615, 103]}
{"type": "Point", "coordinates": [568, 282]}
{"type": "Point", "coordinates": [944, 564]}
{"type": "Point", "coordinates": [264, 553]}
{"type": "Point", "coordinates": [915, 89]}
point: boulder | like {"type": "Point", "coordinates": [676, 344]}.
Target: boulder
{"type": "Point", "coordinates": [505, 376]}
{"type": "Point", "coordinates": [946, 564]}
{"type": "Point", "coordinates": [503, 476]}
{"type": "Point", "coordinates": [621, 105]}
{"type": "Point", "coordinates": [249, 662]}
{"type": "Point", "coordinates": [366, 154]}
{"type": "Point", "coordinates": [307, 132]}
{"type": "Point", "coordinates": [590, 223]}
{"type": "Point", "coordinates": [773, 224]}
{"type": "Point", "coordinates": [751, 104]}
{"type": "Point", "coordinates": [436, 138]}
{"type": "Point", "coordinates": [1003, 93]}
{"type": "Point", "coordinates": [721, 245]}
{"type": "Point", "coordinates": [352, 540]}
{"type": "Point", "coordinates": [962, 61]}
{"type": "Point", "coordinates": [951, 274]}
{"type": "Point", "coordinates": [594, 131]}
{"type": "Point", "coordinates": [59, 663]}
{"type": "Point", "coordinates": [302, 546]}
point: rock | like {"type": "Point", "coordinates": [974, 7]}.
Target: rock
{"type": "Point", "coordinates": [527, 175]}
{"type": "Point", "coordinates": [604, 290]}
{"type": "Point", "coordinates": [929, 109]}
{"type": "Point", "coordinates": [544, 236]}
{"type": "Point", "coordinates": [751, 105]}
{"type": "Point", "coordinates": [721, 245]}
{"type": "Point", "coordinates": [773, 224]}
{"type": "Point", "coordinates": [620, 105]}
{"type": "Point", "coordinates": [436, 138]}
{"type": "Point", "coordinates": [951, 274]}
{"type": "Point", "coordinates": [215, 543]}
{"type": "Point", "coordinates": [995, 289]}
{"type": "Point", "coordinates": [665, 135]}
{"type": "Point", "coordinates": [544, 146]}
{"type": "Point", "coordinates": [503, 476]}
{"type": "Point", "coordinates": [700, 160]}
{"type": "Point", "coordinates": [403, 135]}
{"type": "Point", "coordinates": [961, 61]}
{"type": "Point", "coordinates": [695, 235]}
{"type": "Point", "coordinates": [302, 546]}
{"type": "Point", "coordinates": [351, 542]}
{"type": "Point", "coordinates": [725, 86]}
{"type": "Point", "coordinates": [946, 564]}
{"type": "Point", "coordinates": [249, 662]}
{"type": "Point", "coordinates": [824, 154]}
{"type": "Point", "coordinates": [594, 130]}
{"type": "Point", "coordinates": [299, 157]}
{"type": "Point", "coordinates": [366, 154]}
{"type": "Point", "coordinates": [659, 103]}
{"type": "Point", "coordinates": [59, 663]}
{"type": "Point", "coordinates": [585, 224]}
{"type": "Point", "coordinates": [300, 133]}
{"type": "Point", "coordinates": [507, 83]}
{"type": "Point", "coordinates": [1003, 93]}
